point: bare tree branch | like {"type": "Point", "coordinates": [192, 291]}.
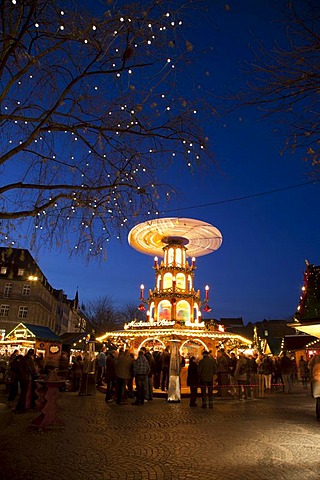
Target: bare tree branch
{"type": "Point", "coordinates": [91, 110]}
{"type": "Point", "coordinates": [285, 81]}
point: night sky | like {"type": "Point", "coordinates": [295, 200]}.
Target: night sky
{"type": "Point", "coordinates": [268, 229]}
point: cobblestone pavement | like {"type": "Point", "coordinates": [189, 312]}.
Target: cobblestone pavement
{"type": "Point", "coordinates": [273, 438]}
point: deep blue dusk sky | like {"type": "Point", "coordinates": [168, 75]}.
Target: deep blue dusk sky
{"type": "Point", "coordinates": [257, 273]}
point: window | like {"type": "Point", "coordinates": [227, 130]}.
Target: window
{"type": "Point", "coordinates": [26, 289]}
{"type": "Point", "coordinates": [170, 256]}
{"type": "Point", "coordinates": [167, 281]}
{"type": "Point", "coordinates": [178, 257]}
{"type": "Point", "coordinates": [20, 272]}
{"type": "Point", "coordinates": [164, 310]}
{"type": "Point", "coordinates": [183, 311]}
{"type": "Point", "coordinates": [3, 270]}
{"type": "Point", "coordinates": [4, 310]}
{"type": "Point", "coordinates": [23, 312]}
{"type": "Point", "coordinates": [181, 281]}
{"type": "Point", "coordinates": [7, 290]}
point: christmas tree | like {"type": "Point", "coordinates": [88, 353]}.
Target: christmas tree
{"type": "Point", "coordinates": [309, 305]}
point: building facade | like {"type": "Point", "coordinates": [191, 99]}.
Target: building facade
{"type": "Point", "coordinates": [27, 296]}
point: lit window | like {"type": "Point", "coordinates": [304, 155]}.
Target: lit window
{"type": "Point", "coordinates": [164, 310]}
{"type": "Point", "coordinates": [183, 310]}
{"type": "Point", "coordinates": [3, 270]}
{"type": "Point", "coordinates": [20, 272]}
{"type": "Point", "coordinates": [178, 257]}
{"type": "Point", "coordinates": [4, 310]}
{"type": "Point", "coordinates": [23, 312]}
{"type": "Point", "coordinates": [7, 290]}
{"type": "Point", "coordinates": [167, 281]}
{"type": "Point", "coordinates": [181, 281]}
{"type": "Point", "coordinates": [170, 256]}
{"type": "Point", "coordinates": [26, 289]}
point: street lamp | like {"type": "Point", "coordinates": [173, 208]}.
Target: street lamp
{"type": "Point", "coordinates": [33, 278]}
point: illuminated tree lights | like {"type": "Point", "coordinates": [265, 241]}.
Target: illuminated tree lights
{"type": "Point", "coordinates": [90, 109]}
{"type": "Point", "coordinates": [309, 305]}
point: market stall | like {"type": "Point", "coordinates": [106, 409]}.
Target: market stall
{"type": "Point", "coordinates": [42, 339]}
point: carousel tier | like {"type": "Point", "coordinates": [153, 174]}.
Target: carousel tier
{"type": "Point", "coordinates": [199, 238]}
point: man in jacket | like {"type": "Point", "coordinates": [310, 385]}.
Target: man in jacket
{"type": "Point", "coordinates": [26, 375]}
{"type": "Point", "coordinates": [141, 370]}
{"type": "Point", "coordinates": [207, 370]}
{"type": "Point", "coordinates": [101, 363]}
{"type": "Point", "coordinates": [124, 369]}
{"type": "Point", "coordinates": [165, 365]}
{"type": "Point", "coordinates": [223, 371]}
{"type": "Point", "coordinates": [241, 375]}
{"type": "Point", "coordinates": [286, 371]}
{"type": "Point", "coordinates": [148, 388]}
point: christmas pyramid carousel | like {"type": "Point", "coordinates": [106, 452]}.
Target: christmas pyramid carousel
{"type": "Point", "coordinates": [174, 308]}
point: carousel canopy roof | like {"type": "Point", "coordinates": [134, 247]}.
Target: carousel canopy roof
{"type": "Point", "coordinates": [173, 334]}
{"type": "Point", "coordinates": [199, 238]}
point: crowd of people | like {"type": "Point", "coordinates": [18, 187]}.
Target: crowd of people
{"type": "Point", "coordinates": [118, 369]}
{"type": "Point", "coordinates": [244, 376]}
{"type": "Point", "coordinates": [126, 376]}
{"type": "Point", "coordinates": [226, 374]}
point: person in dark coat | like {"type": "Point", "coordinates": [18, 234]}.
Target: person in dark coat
{"type": "Point", "coordinates": [193, 381]}
{"type": "Point", "coordinates": [77, 369]}
{"type": "Point", "coordinates": [303, 371]}
{"type": "Point", "coordinates": [223, 370]}
{"type": "Point", "coordinates": [13, 378]}
{"type": "Point", "coordinates": [165, 365]}
{"type": "Point", "coordinates": [124, 369]}
{"type": "Point", "coordinates": [267, 370]}
{"type": "Point", "coordinates": [149, 384]}
{"type": "Point", "coordinates": [253, 374]}
{"type": "Point", "coordinates": [111, 376]}
{"type": "Point", "coordinates": [26, 374]}
{"type": "Point", "coordinates": [207, 370]}
{"type": "Point", "coordinates": [158, 366]}
{"type": "Point", "coordinates": [286, 372]}
{"type": "Point", "coordinates": [241, 375]}
{"type": "Point", "coordinates": [141, 370]}
{"type": "Point", "coordinates": [101, 364]}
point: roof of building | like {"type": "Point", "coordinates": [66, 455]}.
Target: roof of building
{"type": "Point", "coordinates": [71, 337]}
{"type": "Point", "coordinates": [231, 322]}
{"type": "Point", "coordinates": [42, 333]}
{"type": "Point", "coordinates": [297, 342]}
{"type": "Point", "coordinates": [275, 328]}
{"type": "Point", "coordinates": [39, 331]}
{"type": "Point", "coordinates": [16, 259]}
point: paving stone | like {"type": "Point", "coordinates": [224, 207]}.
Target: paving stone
{"type": "Point", "coordinates": [273, 438]}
